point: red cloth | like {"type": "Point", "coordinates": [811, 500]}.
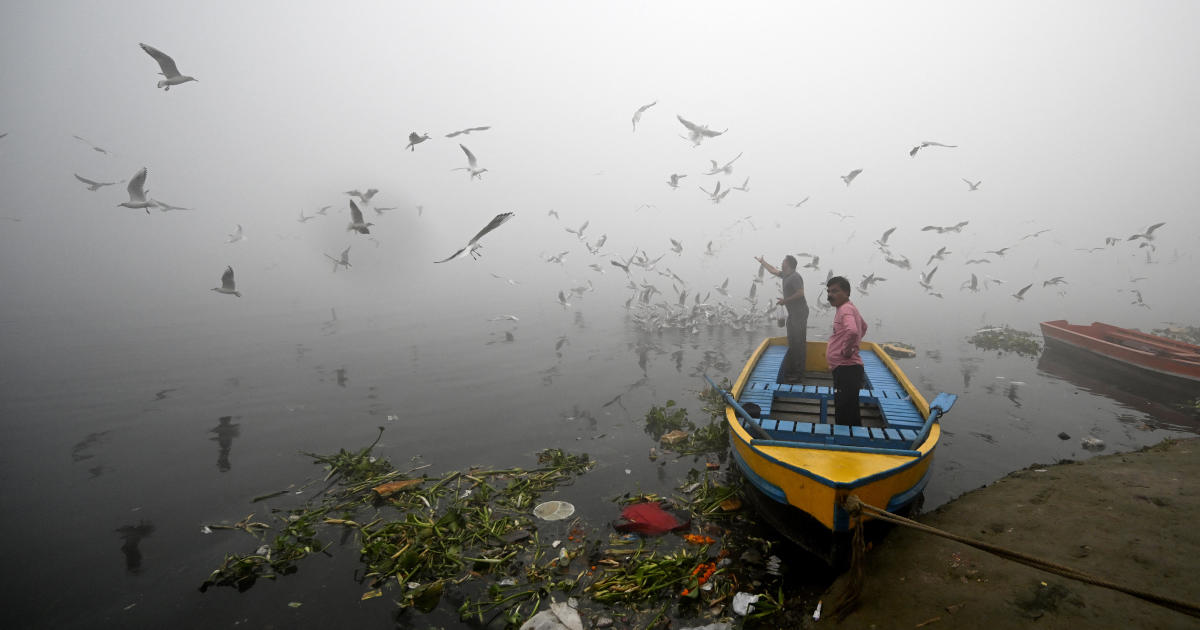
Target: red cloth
{"type": "Point", "coordinates": [649, 519]}
{"type": "Point", "coordinates": [848, 329]}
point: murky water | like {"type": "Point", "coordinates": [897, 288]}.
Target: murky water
{"type": "Point", "coordinates": [122, 443]}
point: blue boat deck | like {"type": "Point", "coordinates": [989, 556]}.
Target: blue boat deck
{"type": "Point", "coordinates": [805, 413]}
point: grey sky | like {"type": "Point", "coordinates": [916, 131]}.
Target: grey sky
{"type": "Point", "coordinates": [1078, 117]}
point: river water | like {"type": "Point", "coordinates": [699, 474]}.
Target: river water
{"type": "Point", "coordinates": [124, 440]}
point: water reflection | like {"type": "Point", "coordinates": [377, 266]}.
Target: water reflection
{"type": "Point", "coordinates": [132, 536]}
{"type": "Point", "coordinates": [1161, 397]}
{"type": "Point", "coordinates": [225, 431]}
{"type": "Point", "coordinates": [79, 452]}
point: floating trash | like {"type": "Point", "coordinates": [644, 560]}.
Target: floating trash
{"type": "Point", "coordinates": [1064, 436]}
{"type": "Point", "coordinates": [773, 565]}
{"type": "Point", "coordinates": [1092, 443]}
{"type": "Point", "coordinates": [743, 603]}
{"type": "Point", "coordinates": [206, 530]}
{"type": "Point", "coordinates": [649, 519]}
{"type": "Point", "coordinates": [553, 510]}
{"type": "Point", "coordinates": [898, 350]}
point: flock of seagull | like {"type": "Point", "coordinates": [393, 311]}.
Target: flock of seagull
{"type": "Point", "coordinates": [653, 313]}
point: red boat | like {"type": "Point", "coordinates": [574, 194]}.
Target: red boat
{"type": "Point", "coordinates": [1130, 347]}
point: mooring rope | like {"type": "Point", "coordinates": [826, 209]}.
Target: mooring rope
{"type": "Point", "coordinates": [855, 506]}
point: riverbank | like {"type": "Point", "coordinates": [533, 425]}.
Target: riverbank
{"type": "Point", "coordinates": [1129, 518]}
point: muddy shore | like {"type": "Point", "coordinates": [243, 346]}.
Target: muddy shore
{"type": "Point", "coordinates": [1130, 518]}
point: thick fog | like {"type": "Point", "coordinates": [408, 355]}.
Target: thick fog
{"type": "Point", "coordinates": [1077, 118]}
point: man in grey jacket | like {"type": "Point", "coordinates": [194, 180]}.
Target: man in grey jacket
{"type": "Point", "coordinates": [792, 369]}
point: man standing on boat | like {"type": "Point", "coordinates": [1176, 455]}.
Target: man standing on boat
{"type": "Point", "coordinates": [792, 369]}
{"type": "Point", "coordinates": [841, 352]}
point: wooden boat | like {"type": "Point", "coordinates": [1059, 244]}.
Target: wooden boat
{"type": "Point", "coordinates": [1168, 357]}
{"type": "Point", "coordinates": [803, 466]}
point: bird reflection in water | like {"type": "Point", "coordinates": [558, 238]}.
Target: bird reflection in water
{"type": "Point", "coordinates": [342, 379]}
{"type": "Point", "coordinates": [132, 536]}
{"type": "Point", "coordinates": [225, 431]}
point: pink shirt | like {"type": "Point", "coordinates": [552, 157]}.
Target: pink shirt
{"type": "Point", "coordinates": [848, 329]}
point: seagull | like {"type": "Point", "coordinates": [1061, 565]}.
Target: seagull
{"type": "Point", "coordinates": [414, 140]}
{"type": "Point", "coordinates": [344, 261]}
{"type": "Point", "coordinates": [972, 284]}
{"type": "Point", "coordinates": [227, 285]}
{"type": "Point", "coordinates": [137, 193]}
{"type": "Point", "coordinates": [716, 195]}
{"type": "Point", "coordinates": [166, 207]}
{"type": "Point", "coordinates": [901, 262]}
{"type": "Point", "coordinates": [926, 277]}
{"type": "Point", "coordinates": [562, 300]}
{"type": "Point", "coordinates": [745, 187]}
{"type": "Point", "coordinates": [304, 219]}
{"type": "Point", "coordinates": [1035, 234]}
{"type": "Point", "coordinates": [724, 288]}
{"type": "Point", "coordinates": [578, 233]}
{"type": "Point", "coordinates": [676, 246]}
{"type": "Point", "coordinates": [1055, 281]}
{"type": "Point", "coordinates": [508, 280]}
{"type": "Point", "coordinates": [882, 242]}
{"type": "Point", "coordinates": [812, 264]}
{"type": "Point", "coordinates": [93, 185]}
{"type": "Point", "coordinates": [974, 185]}
{"type": "Point", "coordinates": [637, 116]}
{"type": "Point", "coordinates": [977, 261]}
{"type": "Point", "coordinates": [1148, 234]}
{"type": "Point", "coordinates": [237, 235]}
{"type": "Point", "coordinates": [674, 181]}
{"type": "Point", "coordinates": [927, 143]}
{"type": "Point", "coordinates": [1020, 295]}
{"type": "Point", "coordinates": [85, 141]}
{"type": "Point", "coordinates": [799, 203]}
{"type": "Point", "coordinates": [356, 219]}
{"type": "Point", "coordinates": [938, 255]}
{"type": "Point", "coordinates": [473, 245]}
{"type": "Point", "coordinates": [322, 211]}
{"type": "Point", "coordinates": [727, 169]}
{"type": "Point", "coordinates": [849, 177]}
{"type": "Point", "coordinates": [998, 252]}
{"type": "Point", "coordinates": [169, 71]}
{"type": "Point", "coordinates": [1139, 301]}
{"type": "Point", "coordinates": [466, 131]}
{"type": "Point", "coordinates": [697, 133]}
{"type": "Point", "coordinates": [595, 249]}
{"type": "Point", "coordinates": [380, 211]}
{"type": "Point", "coordinates": [957, 227]}
{"type": "Point", "coordinates": [472, 165]}
{"type": "Point", "coordinates": [364, 197]}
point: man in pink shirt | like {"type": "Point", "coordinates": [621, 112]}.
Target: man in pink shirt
{"type": "Point", "coordinates": [841, 352]}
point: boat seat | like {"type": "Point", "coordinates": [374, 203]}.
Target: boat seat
{"type": "Point", "coordinates": [895, 406]}
{"type": "Point", "coordinates": [888, 438]}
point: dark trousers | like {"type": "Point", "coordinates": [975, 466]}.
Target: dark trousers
{"type": "Point", "coordinates": [792, 368]}
{"type": "Point", "coordinates": [847, 380]}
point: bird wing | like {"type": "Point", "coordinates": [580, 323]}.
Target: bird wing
{"type": "Point", "coordinates": [470, 156]}
{"type": "Point", "coordinates": [413, 137]}
{"type": "Point", "coordinates": [453, 133]}
{"type": "Point", "coordinates": [346, 252]}
{"type": "Point", "coordinates": [227, 277]}
{"type": "Point", "coordinates": [165, 63]}
{"type": "Point", "coordinates": [687, 123]}
{"type": "Point", "coordinates": [86, 180]}
{"type": "Point", "coordinates": [451, 256]}
{"type": "Point", "coordinates": [928, 143]}
{"type": "Point", "coordinates": [730, 162]}
{"type": "Point", "coordinates": [135, 187]}
{"type": "Point", "coordinates": [886, 234]}
{"type": "Point", "coordinates": [484, 128]}
{"type": "Point", "coordinates": [645, 107]}
{"type": "Point", "coordinates": [930, 276]}
{"type": "Point", "coordinates": [496, 222]}
{"type": "Point", "coordinates": [913, 153]}
{"type": "Point", "coordinates": [1024, 289]}
{"type": "Point", "coordinates": [1150, 230]}
{"type": "Point", "coordinates": [355, 213]}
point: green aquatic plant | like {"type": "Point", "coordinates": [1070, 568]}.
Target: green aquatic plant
{"type": "Point", "coordinates": [1005, 339]}
{"type": "Point", "coordinates": [663, 420]}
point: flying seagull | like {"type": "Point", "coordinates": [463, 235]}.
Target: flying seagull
{"type": "Point", "coordinates": [957, 227]}
{"type": "Point", "coordinates": [364, 197]}
{"type": "Point", "coordinates": [356, 220]}
{"type": "Point", "coordinates": [939, 255]}
{"type": "Point", "coordinates": [637, 116]}
{"type": "Point", "coordinates": [169, 71]}
{"type": "Point", "coordinates": [1020, 295]}
{"type": "Point", "coordinates": [1055, 281]}
{"type": "Point", "coordinates": [305, 219]}
{"type": "Point", "coordinates": [227, 285]}
{"type": "Point", "coordinates": [414, 140]}
{"type": "Point", "coordinates": [799, 203]}
{"type": "Point", "coordinates": [237, 235]}
{"type": "Point", "coordinates": [473, 245]}
{"type": "Point", "coordinates": [998, 252]}
{"type": "Point", "coordinates": [472, 165]}
{"type": "Point", "coordinates": [882, 242]}
{"type": "Point", "coordinates": [927, 143]}
{"type": "Point", "coordinates": [745, 187]}
{"type": "Point", "coordinates": [726, 169]}
{"type": "Point", "coordinates": [697, 133]}
{"type": "Point", "coordinates": [137, 192]}
{"type": "Point", "coordinates": [466, 131]}
{"type": "Point", "coordinates": [1148, 234]}
{"type": "Point", "coordinates": [344, 261]}
{"type": "Point", "coordinates": [927, 278]}
{"type": "Point", "coordinates": [849, 177]}
{"type": "Point", "coordinates": [717, 194]}
{"type": "Point", "coordinates": [674, 181]}
{"type": "Point", "coordinates": [578, 233]}
{"type": "Point", "coordinates": [85, 141]}
{"type": "Point", "coordinates": [92, 185]}
{"type": "Point", "coordinates": [974, 185]}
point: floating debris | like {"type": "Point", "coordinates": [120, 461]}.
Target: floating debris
{"type": "Point", "coordinates": [1092, 443]}
{"type": "Point", "coordinates": [553, 510]}
{"type": "Point", "coordinates": [898, 350]}
{"type": "Point", "coordinates": [649, 519]}
{"type": "Point", "coordinates": [743, 603]}
{"type": "Point", "coordinates": [1064, 436]}
{"type": "Point", "coordinates": [1005, 339]}
{"type": "Point", "coordinates": [1186, 334]}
